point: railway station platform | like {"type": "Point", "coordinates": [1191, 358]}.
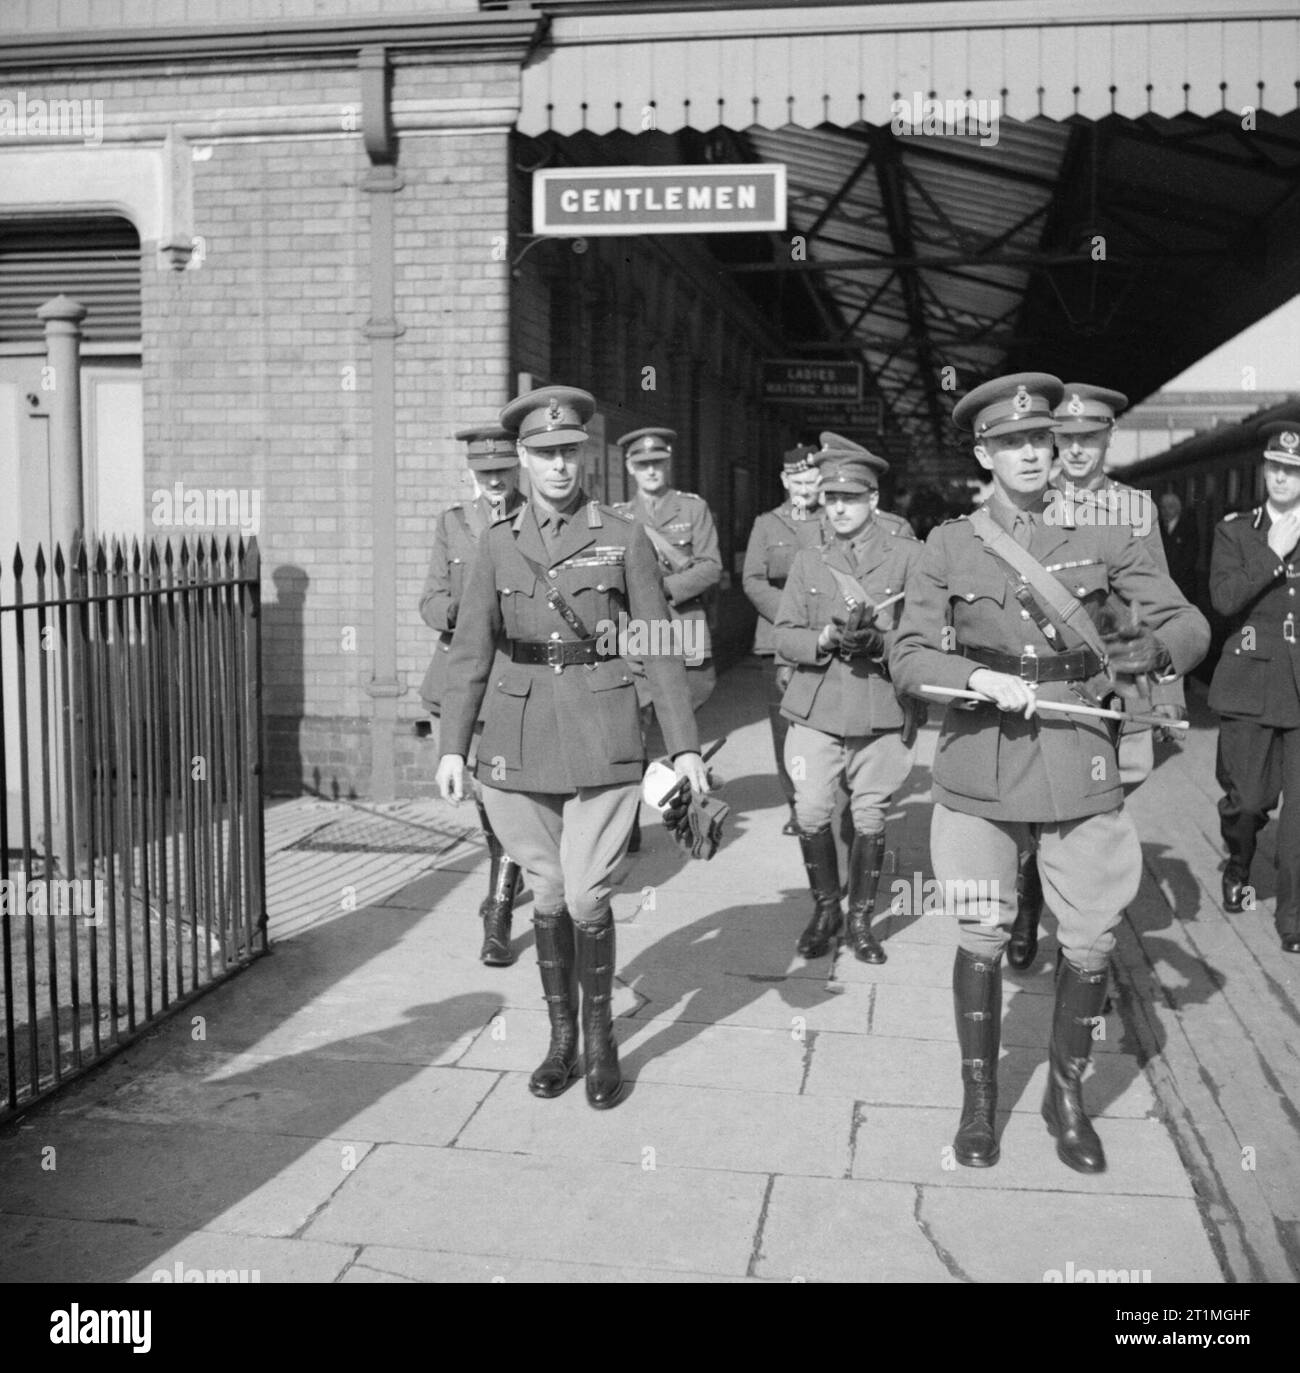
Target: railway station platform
{"type": "Point", "coordinates": [354, 1108]}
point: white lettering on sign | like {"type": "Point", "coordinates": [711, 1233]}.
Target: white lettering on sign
{"type": "Point", "coordinates": [630, 200]}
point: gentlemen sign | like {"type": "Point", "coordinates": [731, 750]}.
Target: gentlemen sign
{"type": "Point", "coordinates": [583, 201]}
{"type": "Point", "coordinates": [791, 381]}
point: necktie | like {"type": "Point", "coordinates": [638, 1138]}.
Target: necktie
{"type": "Point", "coordinates": [1022, 530]}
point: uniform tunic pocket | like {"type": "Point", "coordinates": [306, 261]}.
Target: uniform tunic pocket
{"type": "Point", "coordinates": [801, 694]}
{"type": "Point", "coordinates": [966, 761]}
{"type": "Point", "coordinates": [780, 556]}
{"type": "Point", "coordinates": [613, 694]}
{"type": "Point", "coordinates": [502, 744]}
{"type": "Point", "coordinates": [1241, 680]}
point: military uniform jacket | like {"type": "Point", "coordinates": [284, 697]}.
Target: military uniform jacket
{"type": "Point", "coordinates": [455, 540]}
{"type": "Point", "coordinates": [1258, 674]}
{"type": "Point", "coordinates": [1117, 498]}
{"type": "Point", "coordinates": [776, 537]}
{"type": "Point", "coordinates": [826, 693]}
{"type": "Point", "coordinates": [549, 731]}
{"type": "Point", "coordinates": [1052, 767]}
{"type": "Point", "coordinates": [684, 521]}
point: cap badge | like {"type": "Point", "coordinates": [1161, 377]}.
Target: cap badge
{"type": "Point", "coordinates": [1289, 440]}
{"type": "Point", "coordinates": [553, 410]}
{"type": "Point", "coordinates": [1075, 406]}
{"type": "Point", "coordinates": [1022, 403]}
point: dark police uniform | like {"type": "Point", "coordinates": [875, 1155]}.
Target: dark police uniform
{"type": "Point", "coordinates": [775, 539]}
{"type": "Point", "coordinates": [560, 755]}
{"type": "Point", "coordinates": [1256, 691]}
{"type": "Point", "coordinates": [1182, 546]}
{"type": "Point", "coordinates": [683, 534]}
{"type": "Point", "coordinates": [845, 720]}
{"type": "Point", "coordinates": [489, 448]}
{"type": "Point", "coordinates": [1001, 781]}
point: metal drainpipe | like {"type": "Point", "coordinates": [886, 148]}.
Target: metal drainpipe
{"type": "Point", "coordinates": [383, 182]}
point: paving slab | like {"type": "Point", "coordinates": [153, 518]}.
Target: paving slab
{"type": "Point", "coordinates": [52, 1250]}
{"type": "Point", "coordinates": [1035, 1236]}
{"type": "Point", "coordinates": [660, 1126]}
{"type": "Point", "coordinates": [203, 1177]}
{"type": "Point", "coordinates": [822, 1231]}
{"type": "Point", "coordinates": [914, 1144]}
{"type": "Point", "coordinates": [737, 1058]}
{"type": "Point", "coordinates": [311, 1095]}
{"type": "Point", "coordinates": [923, 1072]}
{"type": "Point", "coordinates": [462, 1200]}
{"type": "Point", "coordinates": [382, 1264]}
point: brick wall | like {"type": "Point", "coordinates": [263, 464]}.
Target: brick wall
{"type": "Point", "coordinates": [258, 375]}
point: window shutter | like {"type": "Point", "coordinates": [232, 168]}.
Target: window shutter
{"type": "Point", "coordinates": [95, 261]}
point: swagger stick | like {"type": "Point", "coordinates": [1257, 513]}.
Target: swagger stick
{"type": "Point", "coordinates": [1064, 708]}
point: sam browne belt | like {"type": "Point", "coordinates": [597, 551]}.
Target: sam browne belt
{"type": "Point", "coordinates": [558, 653]}
{"type": "Point", "coordinates": [1076, 666]}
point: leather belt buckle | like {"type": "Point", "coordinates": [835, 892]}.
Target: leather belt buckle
{"type": "Point", "coordinates": [1025, 660]}
{"type": "Point", "coordinates": [555, 654]}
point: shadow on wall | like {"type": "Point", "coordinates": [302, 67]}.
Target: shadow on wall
{"type": "Point", "coordinates": [283, 691]}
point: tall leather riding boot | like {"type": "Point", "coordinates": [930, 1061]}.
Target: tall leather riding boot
{"type": "Point", "coordinates": [498, 906]}
{"type": "Point", "coordinates": [977, 1000]}
{"type": "Point", "coordinates": [558, 967]}
{"type": "Point", "coordinates": [780, 728]}
{"type": "Point", "coordinates": [1022, 948]}
{"type": "Point", "coordinates": [595, 945]}
{"type": "Point", "coordinates": [497, 912]}
{"type": "Point", "coordinates": [822, 864]}
{"type": "Point", "coordinates": [1079, 998]}
{"type": "Point", "coordinates": [864, 876]}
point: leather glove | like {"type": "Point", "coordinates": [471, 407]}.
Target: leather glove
{"type": "Point", "coordinates": [1132, 650]}
{"type": "Point", "coordinates": [867, 642]}
{"type": "Point", "coordinates": [695, 822]}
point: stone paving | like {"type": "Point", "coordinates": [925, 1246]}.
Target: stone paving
{"type": "Point", "coordinates": [355, 1108]}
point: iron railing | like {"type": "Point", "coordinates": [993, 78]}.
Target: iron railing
{"type": "Point", "coordinates": [131, 841]}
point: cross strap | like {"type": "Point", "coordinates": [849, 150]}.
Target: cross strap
{"type": "Point", "coordinates": [1031, 572]}
{"type": "Point", "coordinates": [553, 598]}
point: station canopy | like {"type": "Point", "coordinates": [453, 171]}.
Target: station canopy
{"type": "Point", "coordinates": [1099, 190]}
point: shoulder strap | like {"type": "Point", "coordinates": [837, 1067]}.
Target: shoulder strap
{"type": "Point", "coordinates": [1030, 570]}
